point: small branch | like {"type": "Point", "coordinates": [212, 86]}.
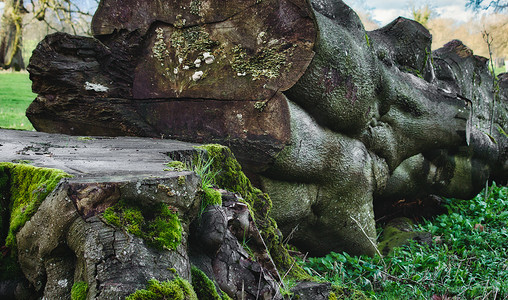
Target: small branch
{"type": "Point", "coordinates": [370, 240]}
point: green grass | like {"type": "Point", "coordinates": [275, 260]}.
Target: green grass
{"type": "Point", "coordinates": [467, 260]}
{"type": "Point", "coordinates": [499, 70]}
{"type": "Point", "coordinates": [15, 96]}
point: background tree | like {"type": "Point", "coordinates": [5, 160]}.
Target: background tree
{"type": "Point", "coordinates": [422, 14]}
{"type": "Point", "coordinates": [498, 5]}
{"type": "Point", "coordinates": [11, 32]}
{"type": "Point", "coordinates": [30, 20]}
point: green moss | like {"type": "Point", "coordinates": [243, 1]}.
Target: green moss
{"type": "Point", "coordinates": [225, 296]}
{"type": "Point", "coordinates": [203, 286]}
{"type": "Point", "coordinates": [267, 62]}
{"type": "Point", "coordinates": [28, 187]}
{"type": "Point", "coordinates": [176, 289]}
{"type": "Point", "coordinates": [22, 190]}
{"type": "Point", "coordinates": [367, 39]}
{"type": "Point", "coordinates": [176, 166]}
{"type": "Point", "coordinates": [346, 293]}
{"type": "Point", "coordinates": [229, 176]}
{"type": "Point", "coordinates": [211, 197]}
{"type": "Point", "coordinates": [415, 72]}
{"type": "Point", "coordinates": [159, 225]}
{"type": "Point", "coordinates": [79, 290]}
{"type": "Point", "coordinates": [181, 180]}
{"type": "Point", "coordinates": [396, 234]}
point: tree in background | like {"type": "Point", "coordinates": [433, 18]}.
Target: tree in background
{"type": "Point", "coordinates": [498, 5]}
{"type": "Point", "coordinates": [422, 14]}
{"type": "Point", "coordinates": [22, 19]}
{"type": "Point", "coordinates": [11, 33]}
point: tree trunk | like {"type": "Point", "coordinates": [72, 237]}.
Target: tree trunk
{"type": "Point", "coordinates": [11, 35]}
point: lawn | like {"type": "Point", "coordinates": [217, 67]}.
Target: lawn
{"type": "Point", "coordinates": [15, 96]}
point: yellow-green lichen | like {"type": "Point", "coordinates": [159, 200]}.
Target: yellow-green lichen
{"type": "Point", "coordinates": [260, 105]}
{"type": "Point", "coordinates": [176, 289]}
{"type": "Point", "coordinates": [160, 49]}
{"type": "Point", "coordinates": [195, 7]}
{"type": "Point", "coordinates": [181, 180]}
{"type": "Point", "coordinates": [189, 44]}
{"type": "Point", "coordinates": [229, 176]}
{"type": "Point", "coordinates": [79, 290]}
{"type": "Point", "coordinates": [267, 62]}
{"type": "Point", "coordinates": [158, 226]}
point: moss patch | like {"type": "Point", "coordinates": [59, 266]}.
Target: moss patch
{"type": "Point", "coordinates": [176, 166]}
{"type": "Point", "coordinates": [346, 293]}
{"type": "Point", "coordinates": [22, 190]}
{"type": "Point", "coordinates": [210, 197]}
{"type": "Point", "coordinates": [203, 286]}
{"type": "Point", "coordinates": [25, 187]}
{"type": "Point", "coordinates": [158, 226]}
{"type": "Point", "coordinates": [230, 177]}
{"type": "Point", "coordinates": [397, 233]}
{"type": "Point", "coordinates": [79, 290]}
{"type": "Point", "coordinates": [177, 289]}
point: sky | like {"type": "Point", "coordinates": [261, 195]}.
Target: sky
{"type": "Point", "coordinates": [385, 11]}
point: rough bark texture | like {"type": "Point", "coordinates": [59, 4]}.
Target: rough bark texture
{"type": "Point", "coordinates": [332, 121]}
{"type": "Point", "coordinates": [220, 239]}
{"type": "Point", "coordinates": [69, 239]}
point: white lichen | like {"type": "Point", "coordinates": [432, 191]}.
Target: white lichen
{"type": "Point", "coordinates": [197, 75]}
{"type": "Point", "coordinates": [208, 58]}
{"type": "Point", "coordinates": [175, 71]}
{"type": "Point", "coordinates": [197, 62]}
{"type": "Point", "coordinates": [95, 87]}
{"type": "Point", "coordinates": [62, 283]}
{"type": "Point", "coordinates": [261, 37]}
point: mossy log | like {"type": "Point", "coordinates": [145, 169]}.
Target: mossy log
{"type": "Point", "coordinates": [330, 119]}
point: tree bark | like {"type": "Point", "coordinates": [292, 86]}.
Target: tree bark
{"type": "Point", "coordinates": [11, 35]}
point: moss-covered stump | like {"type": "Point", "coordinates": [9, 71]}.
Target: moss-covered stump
{"type": "Point", "coordinates": [330, 118]}
{"type": "Point", "coordinates": [113, 236]}
{"type": "Point", "coordinates": [23, 188]}
{"type": "Point", "coordinates": [230, 177]}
